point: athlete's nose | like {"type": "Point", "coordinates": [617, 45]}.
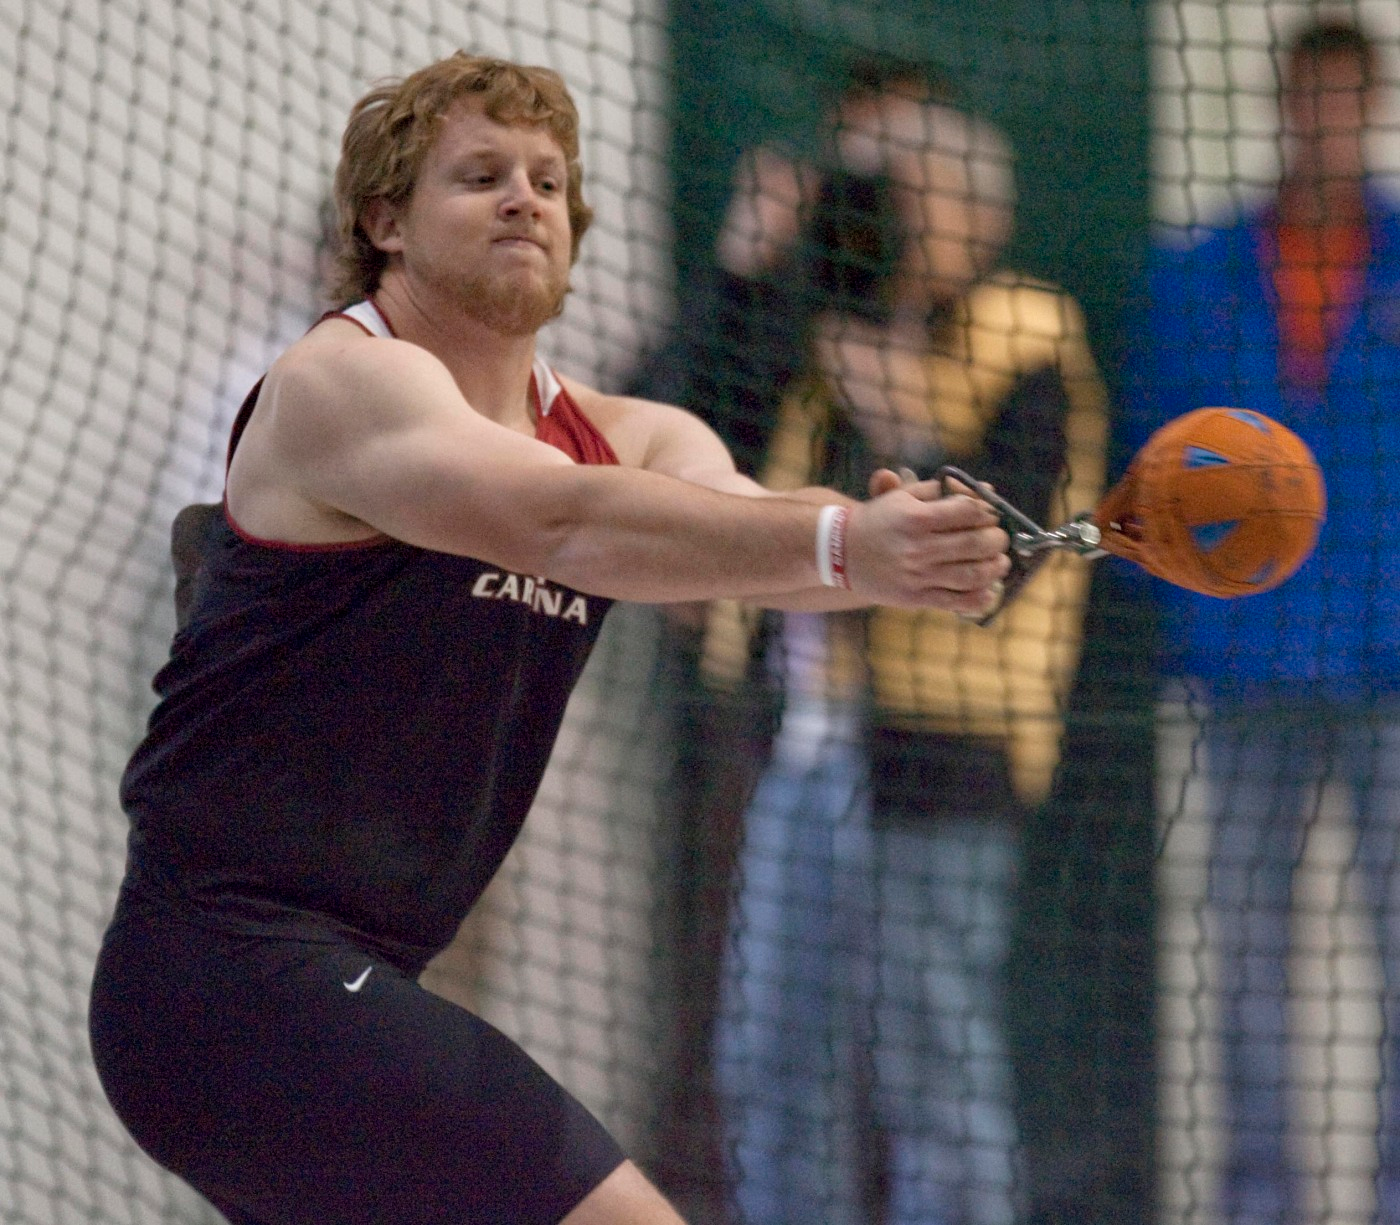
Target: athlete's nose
{"type": "Point", "coordinates": [519, 195]}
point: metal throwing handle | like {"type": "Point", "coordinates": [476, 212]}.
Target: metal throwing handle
{"type": "Point", "coordinates": [1031, 544]}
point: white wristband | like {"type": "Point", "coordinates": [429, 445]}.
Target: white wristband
{"type": "Point", "coordinates": [831, 546]}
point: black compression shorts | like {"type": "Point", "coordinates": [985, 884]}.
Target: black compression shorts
{"type": "Point", "coordinates": [297, 1083]}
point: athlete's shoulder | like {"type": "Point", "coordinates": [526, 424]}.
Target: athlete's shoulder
{"type": "Point", "coordinates": [339, 358]}
{"type": "Point", "coordinates": [341, 334]}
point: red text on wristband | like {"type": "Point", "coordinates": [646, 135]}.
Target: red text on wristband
{"type": "Point", "coordinates": [831, 546]}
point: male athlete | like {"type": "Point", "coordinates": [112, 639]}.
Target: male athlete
{"type": "Point", "coordinates": [422, 528]}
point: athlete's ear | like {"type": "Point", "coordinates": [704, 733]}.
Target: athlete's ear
{"type": "Point", "coordinates": [380, 222]}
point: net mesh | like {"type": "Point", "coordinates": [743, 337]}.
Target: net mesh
{"type": "Point", "coordinates": [161, 241]}
{"type": "Point", "coordinates": [162, 238]}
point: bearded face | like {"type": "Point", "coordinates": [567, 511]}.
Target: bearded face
{"type": "Point", "coordinates": [515, 301]}
{"type": "Point", "coordinates": [486, 230]}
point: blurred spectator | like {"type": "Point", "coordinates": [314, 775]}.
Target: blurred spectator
{"type": "Point", "coordinates": [861, 1054]}
{"type": "Point", "coordinates": [1293, 309]}
{"type": "Point", "coordinates": [735, 349]}
{"type": "Point", "coordinates": [741, 332]}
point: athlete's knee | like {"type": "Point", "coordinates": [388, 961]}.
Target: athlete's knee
{"type": "Point", "coordinates": [624, 1197]}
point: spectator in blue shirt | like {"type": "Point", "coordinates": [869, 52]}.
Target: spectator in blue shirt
{"type": "Point", "coordinates": [1293, 309]}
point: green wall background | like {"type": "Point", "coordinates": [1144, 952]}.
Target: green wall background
{"type": "Point", "coordinates": [1067, 80]}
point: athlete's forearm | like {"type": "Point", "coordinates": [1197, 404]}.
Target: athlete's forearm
{"type": "Point", "coordinates": [635, 535]}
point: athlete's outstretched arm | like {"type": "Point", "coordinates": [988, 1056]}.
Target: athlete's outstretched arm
{"type": "Point", "coordinates": [375, 432]}
{"type": "Point", "coordinates": [677, 443]}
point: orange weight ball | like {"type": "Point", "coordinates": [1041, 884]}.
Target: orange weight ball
{"type": "Point", "coordinates": [1223, 501]}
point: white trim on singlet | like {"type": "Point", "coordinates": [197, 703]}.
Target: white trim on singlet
{"type": "Point", "coordinates": [368, 316]}
{"type": "Point", "coordinates": [548, 386]}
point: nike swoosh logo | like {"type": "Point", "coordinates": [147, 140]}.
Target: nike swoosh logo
{"type": "Point", "coordinates": [359, 982]}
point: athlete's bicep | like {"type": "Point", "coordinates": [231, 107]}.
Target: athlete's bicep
{"type": "Point", "coordinates": [380, 432]}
